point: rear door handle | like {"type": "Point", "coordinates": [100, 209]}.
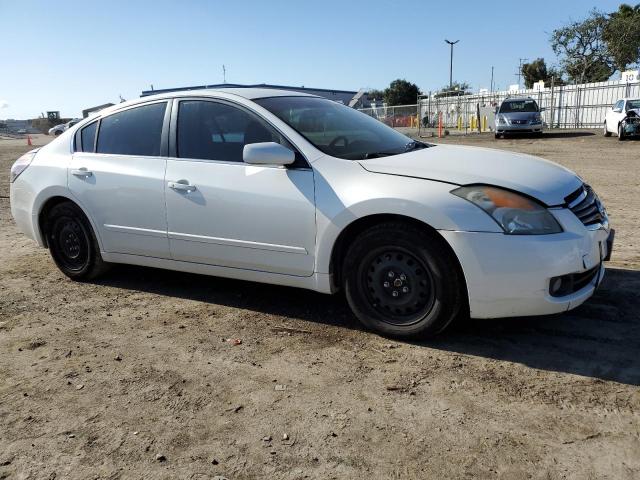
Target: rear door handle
{"type": "Point", "coordinates": [81, 172]}
{"type": "Point", "coordinates": [182, 186]}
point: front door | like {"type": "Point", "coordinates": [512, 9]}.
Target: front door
{"type": "Point", "coordinates": [615, 116]}
{"type": "Point", "coordinates": [119, 180]}
{"type": "Point", "coordinates": [221, 211]}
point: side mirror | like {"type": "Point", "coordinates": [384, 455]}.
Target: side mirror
{"type": "Point", "coordinates": [267, 153]}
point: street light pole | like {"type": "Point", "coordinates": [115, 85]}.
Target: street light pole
{"type": "Point", "coordinates": [451, 63]}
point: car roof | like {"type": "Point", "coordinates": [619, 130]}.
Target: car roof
{"type": "Point", "coordinates": [510, 99]}
{"type": "Point", "coordinates": [248, 93]}
{"type": "Point", "coordinates": [255, 93]}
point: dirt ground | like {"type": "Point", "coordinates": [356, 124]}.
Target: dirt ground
{"type": "Point", "coordinates": [131, 376]}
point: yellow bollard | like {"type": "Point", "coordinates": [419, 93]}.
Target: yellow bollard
{"type": "Point", "coordinates": [459, 123]}
{"type": "Point", "coordinates": [473, 123]}
{"type": "Point", "coordinates": [484, 123]}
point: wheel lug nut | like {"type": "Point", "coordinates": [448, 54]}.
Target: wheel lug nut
{"type": "Point", "coordinates": [386, 284]}
{"type": "Point", "coordinates": [403, 277]}
{"type": "Point", "coordinates": [395, 293]}
{"type": "Point", "coordinates": [391, 274]}
{"type": "Point", "coordinates": [405, 289]}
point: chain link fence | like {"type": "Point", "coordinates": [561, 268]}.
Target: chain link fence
{"type": "Point", "coordinates": [401, 116]}
{"type": "Point", "coordinates": [566, 106]}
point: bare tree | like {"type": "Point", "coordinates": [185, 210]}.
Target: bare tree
{"type": "Point", "coordinates": [582, 49]}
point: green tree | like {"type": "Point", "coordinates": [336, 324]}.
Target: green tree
{"type": "Point", "coordinates": [582, 50]}
{"type": "Point", "coordinates": [534, 72]}
{"type": "Point", "coordinates": [401, 92]}
{"type": "Point", "coordinates": [455, 90]}
{"type": "Point", "coordinates": [375, 94]}
{"type": "Point", "coordinates": [537, 70]}
{"type": "Point", "coordinates": [622, 35]}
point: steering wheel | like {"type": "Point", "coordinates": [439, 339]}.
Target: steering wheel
{"type": "Point", "coordinates": [335, 141]}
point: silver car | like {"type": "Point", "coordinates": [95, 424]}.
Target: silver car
{"type": "Point", "coordinates": [518, 115]}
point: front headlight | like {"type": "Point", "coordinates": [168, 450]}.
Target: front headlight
{"type": "Point", "coordinates": [21, 165]}
{"type": "Point", "coordinates": [502, 120]}
{"type": "Point", "coordinates": [516, 214]}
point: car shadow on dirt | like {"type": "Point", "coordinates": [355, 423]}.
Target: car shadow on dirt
{"type": "Point", "coordinates": [550, 134]}
{"type": "Point", "coordinates": [600, 339]}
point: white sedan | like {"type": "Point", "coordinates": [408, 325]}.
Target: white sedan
{"type": "Point", "coordinates": [292, 189]}
{"type": "Point", "coordinates": [615, 118]}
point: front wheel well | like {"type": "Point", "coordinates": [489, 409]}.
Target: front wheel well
{"type": "Point", "coordinates": [44, 215]}
{"type": "Point", "coordinates": [351, 232]}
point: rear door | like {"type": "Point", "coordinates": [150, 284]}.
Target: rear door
{"type": "Point", "coordinates": [117, 175]}
{"type": "Point", "coordinates": [221, 211]}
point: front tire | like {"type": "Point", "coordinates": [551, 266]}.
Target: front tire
{"type": "Point", "coordinates": [72, 243]}
{"type": "Point", "coordinates": [621, 133]}
{"type": "Point", "coordinates": [401, 281]}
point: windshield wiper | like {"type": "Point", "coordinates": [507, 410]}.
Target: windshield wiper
{"type": "Point", "coordinates": [369, 155]}
{"type": "Point", "coordinates": [414, 146]}
{"type": "Point", "coordinates": [407, 148]}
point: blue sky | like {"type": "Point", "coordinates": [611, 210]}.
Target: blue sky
{"type": "Point", "coordinates": [68, 55]}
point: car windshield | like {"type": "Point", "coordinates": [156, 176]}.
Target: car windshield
{"type": "Point", "coordinates": [633, 104]}
{"type": "Point", "coordinates": [338, 130]}
{"type": "Point", "coordinates": [518, 106]}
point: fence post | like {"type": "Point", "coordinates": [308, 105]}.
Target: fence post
{"type": "Point", "coordinates": [551, 103]}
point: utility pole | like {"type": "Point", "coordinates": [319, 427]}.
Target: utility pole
{"type": "Point", "coordinates": [491, 79]}
{"type": "Point", "coordinates": [224, 74]}
{"type": "Point", "coordinates": [519, 74]}
{"type": "Point", "coordinates": [451, 63]}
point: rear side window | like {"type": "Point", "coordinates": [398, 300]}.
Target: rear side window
{"type": "Point", "coordinates": [86, 138]}
{"type": "Point", "coordinates": [136, 131]}
{"type": "Point", "coordinates": [217, 131]}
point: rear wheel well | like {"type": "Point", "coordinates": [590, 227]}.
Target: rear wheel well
{"type": "Point", "coordinates": [44, 215]}
{"type": "Point", "coordinates": [351, 232]}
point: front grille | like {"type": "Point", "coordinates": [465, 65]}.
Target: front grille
{"type": "Point", "coordinates": [585, 204]}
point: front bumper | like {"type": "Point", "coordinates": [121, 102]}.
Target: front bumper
{"type": "Point", "coordinates": [510, 275]}
{"type": "Point", "coordinates": [519, 128]}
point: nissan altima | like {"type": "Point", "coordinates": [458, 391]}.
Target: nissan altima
{"type": "Point", "coordinates": [292, 189]}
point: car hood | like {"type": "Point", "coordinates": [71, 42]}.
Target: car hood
{"type": "Point", "coordinates": [544, 180]}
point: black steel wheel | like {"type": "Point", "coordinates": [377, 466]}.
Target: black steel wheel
{"type": "Point", "coordinates": [398, 285]}
{"type": "Point", "coordinates": [621, 136]}
{"type": "Point", "coordinates": [72, 242]}
{"type": "Point", "coordinates": [402, 280]}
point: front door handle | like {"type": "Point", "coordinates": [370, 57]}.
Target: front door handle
{"type": "Point", "coordinates": [81, 172]}
{"type": "Point", "coordinates": [182, 186]}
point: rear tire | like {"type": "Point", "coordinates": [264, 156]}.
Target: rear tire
{"type": "Point", "coordinates": [605, 131]}
{"type": "Point", "coordinates": [72, 243]}
{"type": "Point", "coordinates": [401, 281]}
{"type": "Point", "coordinates": [497, 136]}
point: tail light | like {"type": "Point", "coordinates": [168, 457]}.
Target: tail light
{"type": "Point", "coordinates": [21, 164]}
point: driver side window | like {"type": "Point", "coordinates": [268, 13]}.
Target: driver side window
{"type": "Point", "coordinates": [217, 131]}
